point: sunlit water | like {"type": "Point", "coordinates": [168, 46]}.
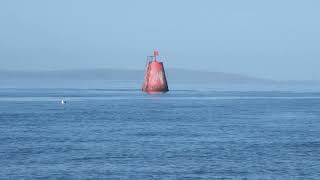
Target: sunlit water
{"type": "Point", "coordinates": [184, 134]}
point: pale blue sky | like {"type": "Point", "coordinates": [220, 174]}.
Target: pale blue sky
{"type": "Point", "coordinates": [277, 39]}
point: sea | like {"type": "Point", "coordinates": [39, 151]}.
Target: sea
{"type": "Point", "coordinates": [187, 133]}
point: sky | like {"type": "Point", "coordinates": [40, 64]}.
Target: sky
{"type": "Point", "coordinates": [268, 39]}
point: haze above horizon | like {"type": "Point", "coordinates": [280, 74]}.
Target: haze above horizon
{"type": "Point", "coordinates": [277, 40]}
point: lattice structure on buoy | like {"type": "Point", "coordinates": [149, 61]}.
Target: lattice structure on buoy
{"type": "Point", "coordinates": [155, 77]}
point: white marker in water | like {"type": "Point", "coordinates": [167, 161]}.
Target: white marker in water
{"type": "Point", "coordinates": [63, 101]}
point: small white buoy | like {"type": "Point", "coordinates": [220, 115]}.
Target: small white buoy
{"type": "Point", "coordinates": [63, 101]}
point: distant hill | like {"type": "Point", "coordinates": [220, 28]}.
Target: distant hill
{"type": "Point", "coordinates": [114, 78]}
{"type": "Point", "coordinates": [173, 75]}
{"type": "Point", "coordinates": [179, 79]}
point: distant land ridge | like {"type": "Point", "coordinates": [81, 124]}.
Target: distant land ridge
{"type": "Point", "coordinates": [180, 75]}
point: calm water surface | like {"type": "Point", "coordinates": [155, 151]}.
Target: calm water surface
{"type": "Point", "coordinates": [124, 134]}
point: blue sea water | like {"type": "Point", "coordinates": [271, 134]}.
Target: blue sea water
{"type": "Point", "coordinates": [184, 134]}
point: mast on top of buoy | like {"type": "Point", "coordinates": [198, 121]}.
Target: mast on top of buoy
{"type": "Point", "coordinates": [155, 54]}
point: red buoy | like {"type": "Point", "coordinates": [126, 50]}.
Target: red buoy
{"type": "Point", "coordinates": [155, 77]}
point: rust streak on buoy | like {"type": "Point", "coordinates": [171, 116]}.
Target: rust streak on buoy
{"type": "Point", "coordinates": [155, 77]}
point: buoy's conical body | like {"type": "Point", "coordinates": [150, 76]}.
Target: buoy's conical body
{"type": "Point", "coordinates": [155, 78]}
